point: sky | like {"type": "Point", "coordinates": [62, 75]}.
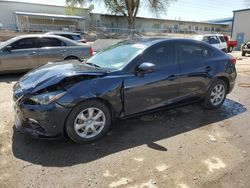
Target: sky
{"type": "Point", "coordinates": [188, 10]}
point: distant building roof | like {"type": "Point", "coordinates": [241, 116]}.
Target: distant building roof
{"type": "Point", "coordinates": [227, 21]}
{"type": "Point", "coordinates": [50, 15]}
{"type": "Point", "coordinates": [161, 19]}
{"type": "Point", "coordinates": [247, 9]}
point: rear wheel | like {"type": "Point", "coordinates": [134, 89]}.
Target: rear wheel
{"type": "Point", "coordinates": [88, 122]}
{"type": "Point", "coordinates": [216, 95]}
{"type": "Point", "coordinates": [230, 49]}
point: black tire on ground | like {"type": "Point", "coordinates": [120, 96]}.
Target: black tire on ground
{"type": "Point", "coordinates": [230, 49]}
{"type": "Point", "coordinates": [71, 58]}
{"type": "Point", "coordinates": [243, 53]}
{"type": "Point", "coordinates": [69, 127]}
{"type": "Point", "coordinates": [207, 102]}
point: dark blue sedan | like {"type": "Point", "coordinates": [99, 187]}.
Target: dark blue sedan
{"type": "Point", "coordinates": [127, 79]}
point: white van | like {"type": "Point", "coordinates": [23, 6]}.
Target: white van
{"type": "Point", "coordinates": [216, 40]}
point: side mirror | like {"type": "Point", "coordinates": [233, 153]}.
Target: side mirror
{"type": "Point", "coordinates": [145, 68]}
{"type": "Point", "coordinates": [8, 48]}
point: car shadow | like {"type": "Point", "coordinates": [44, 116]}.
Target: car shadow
{"type": "Point", "coordinates": [124, 135]}
{"type": "Point", "coordinates": [9, 78]}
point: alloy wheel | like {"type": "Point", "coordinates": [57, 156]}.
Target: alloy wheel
{"type": "Point", "coordinates": [89, 122]}
{"type": "Point", "coordinates": [217, 94]}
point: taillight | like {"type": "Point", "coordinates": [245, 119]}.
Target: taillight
{"type": "Point", "coordinates": [233, 60]}
{"type": "Point", "coordinates": [91, 51]}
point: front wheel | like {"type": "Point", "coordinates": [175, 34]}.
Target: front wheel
{"type": "Point", "coordinates": [88, 122]}
{"type": "Point", "coordinates": [243, 53]}
{"type": "Point", "coordinates": [216, 95]}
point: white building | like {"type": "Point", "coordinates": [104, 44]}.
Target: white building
{"type": "Point", "coordinates": [30, 17]}
{"type": "Point", "coordinates": [23, 16]}
{"type": "Point", "coordinates": [241, 26]}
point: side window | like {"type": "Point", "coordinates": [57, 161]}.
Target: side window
{"type": "Point", "coordinates": [24, 44]}
{"type": "Point", "coordinates": [67, 36]}
{"type": "Point", "coordinates": [207, 52]}
{"type": "Point", "coordinates": [161, 55]}
{"type": "Point", "coordinates": [190, 53]}
{"type": "Point", "coordinates": [206, 39]}
{"type": "Point", "coordinates": [51, 42]}
{"type": "Point", "coordinates": [213, 40]}
{"type": "Point", "coordinates": [222, 39]}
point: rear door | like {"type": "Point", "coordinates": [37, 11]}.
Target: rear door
{"type": "Point", "coordinates": [197, 67]}
{"type": "Point", "coordinates": [156, 89]}
{"type": "Point", "coordinates": [51, 49]}
{"type": "Point", "coordinates": [22, 55]}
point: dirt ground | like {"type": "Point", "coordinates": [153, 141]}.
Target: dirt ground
{"type": "Point", "coordinates": [185, 147]}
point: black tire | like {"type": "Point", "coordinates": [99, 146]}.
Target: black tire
{"type": "Point", "coordinates": [207, 102]}
{"type": "Point", "coordinates": [230, 49]}
{"type": "Point", "coordinates": [69, 127]}
{"type": "Point", "coordinates": [243, 53]}
{"type": "Point", "coordinates": [71, 58]}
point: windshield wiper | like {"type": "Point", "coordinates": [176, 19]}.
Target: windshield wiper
{"type": "Point", "coordinates": [93, 65]}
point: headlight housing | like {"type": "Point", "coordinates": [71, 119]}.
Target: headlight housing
{"type": "Point", "coordinates": [47, 98]}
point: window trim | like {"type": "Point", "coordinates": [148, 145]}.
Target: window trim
{"type": "Point", "coordinates": [178, 46]}
{"type": "Point", "coordinates": [35, 42]}
{"type": "Point", "coordinates": [133, 64]}
{"type": "Point", "coordinates": [40, 41]}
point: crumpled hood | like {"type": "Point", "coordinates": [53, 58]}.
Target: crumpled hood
{"type": "Point", "coordinates": [53, 73]}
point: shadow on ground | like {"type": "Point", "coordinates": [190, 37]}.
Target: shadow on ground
{"type": "Point", "coordinates": [124, 135]}
{"type": "Point", "coordinates": [8, 78]}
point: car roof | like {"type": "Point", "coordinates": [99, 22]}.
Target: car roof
{"type": "Point", "coordinates": [62, 33]}
{"type": "Point", "coordinates": [152, 41]}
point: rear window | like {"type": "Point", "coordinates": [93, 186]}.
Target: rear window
{"type": "Point", "coordinates": [222, 39]}
{"type": "Point", "coordinates": [72, 37]}
{"type": "Point", "coordinates": [51, 42]}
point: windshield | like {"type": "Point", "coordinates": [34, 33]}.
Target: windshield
{"type": "Point", "coordinates": [116, 56]}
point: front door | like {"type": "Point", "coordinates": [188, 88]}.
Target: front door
{"type": "Point", "coordinates": [21, 56]}
{"type": "Point", "coordinates": [156, 89]}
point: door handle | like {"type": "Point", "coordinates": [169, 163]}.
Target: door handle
{"type": "Point", "coordinates": [63, 50]}
{"type": "Point", "coordinates": [208, 69]}
{"type": "Point", "coordinates": [171, 77]}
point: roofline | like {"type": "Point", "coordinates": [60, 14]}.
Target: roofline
{"type": "Point", "coordinates": [161, 19]}
{"type": "Point", "coordinates": [50, 15]}
{"type": "Point", "coordinates": [43, 4]}
{"type": "Point", "coordinates": [241, 10]}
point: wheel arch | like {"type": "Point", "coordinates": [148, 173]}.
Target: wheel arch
{"type": "Point", "coordinates": [71, 57]}
{"type": "Point", "coordinates": [103, 101]}
{"type": "Point", "coordinates": [226, 80]}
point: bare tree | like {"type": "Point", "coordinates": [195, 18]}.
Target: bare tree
{"type": "Point", "coordinates": [128, 8]}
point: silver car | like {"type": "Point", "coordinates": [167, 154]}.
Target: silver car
{"type": "Point", "coordinates": [26, 52]}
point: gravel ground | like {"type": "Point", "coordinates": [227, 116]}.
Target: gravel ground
{"type": "Point", "coordinates": [185, 147]}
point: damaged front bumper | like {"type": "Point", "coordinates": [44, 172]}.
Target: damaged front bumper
{"type": "Point", "coordinates": [41, 121]}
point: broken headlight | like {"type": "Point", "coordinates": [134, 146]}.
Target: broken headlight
{"type": "Point", "coordinates": [47, 98]}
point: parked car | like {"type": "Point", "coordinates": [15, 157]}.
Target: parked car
{"type": "Point", "coordinates": [231, 44]}
{"type": "Point", "coordinates": [216, 40]}
{"type": "Point", "coordinates": [70, 35]}
{"type": "Point", "coordinates": [26, 52]}
{"type": "Point", "coordinates": [245, 49]}
{"type": "Point", "coordinates": [128, 79]}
